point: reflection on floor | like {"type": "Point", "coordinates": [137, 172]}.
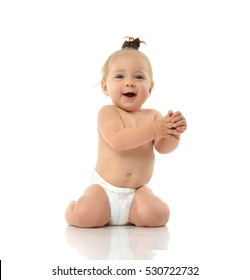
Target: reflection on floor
{"type": "Point", "coordinates": [117, 242]}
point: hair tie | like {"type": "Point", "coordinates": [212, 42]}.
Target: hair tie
{"type": "Point", "coordinates": [132, 43]}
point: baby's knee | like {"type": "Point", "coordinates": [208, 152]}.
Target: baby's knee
{"type": "Point", "coordinates": [85, 221]}
{"type": "Point", "coordinates": [153, 215]}
{"type": "Point", "coordinates": [69, 217]}
{"type": "Point", "coordinates": [81, 217]}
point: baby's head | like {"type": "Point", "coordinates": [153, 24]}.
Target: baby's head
{"type": "Point", "coordinates": [129, 47]}
{"type": "Point", "coordinates": [127, 77]}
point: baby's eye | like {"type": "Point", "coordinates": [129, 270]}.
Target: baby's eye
{"type": "Point", "coordinates": [139, 77]}
{"type": "Point", "coordinates": [119, 76]}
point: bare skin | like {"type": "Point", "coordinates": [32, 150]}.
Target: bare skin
{"type": "Point", "coordinates": [128, 136]}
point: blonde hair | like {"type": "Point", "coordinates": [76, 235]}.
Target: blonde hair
{"type": "Point", "coordinates": [105, 68]}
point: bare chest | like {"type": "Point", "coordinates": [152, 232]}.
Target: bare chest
{"type": "Point", "coordinates": [134, 119]}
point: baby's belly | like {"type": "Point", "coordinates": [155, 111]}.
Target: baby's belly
{"type": "Point", "coordinates": [126, 171]}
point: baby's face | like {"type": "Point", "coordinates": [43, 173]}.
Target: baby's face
{"type": "Point", "coordinates": [128, 82]}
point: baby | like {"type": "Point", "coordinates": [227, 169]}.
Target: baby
{"type": "Point", "coordinates": [128, 135]}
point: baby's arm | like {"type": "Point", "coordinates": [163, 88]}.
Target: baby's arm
{"type": "Point", "coordinates": [123, 138]}
{"type": "Point", "coordinates": [169, 143]}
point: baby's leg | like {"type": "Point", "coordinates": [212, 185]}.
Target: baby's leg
{"type": "Point", "coordinates": [148, 210]}
{"type": "Point", "coordinates": [90, 210]}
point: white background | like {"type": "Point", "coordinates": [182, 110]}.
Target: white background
{"type": "Point", "coordinates": [50, 61]}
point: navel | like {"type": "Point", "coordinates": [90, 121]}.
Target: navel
{"type": "Point", "coordinates": [129, 176]}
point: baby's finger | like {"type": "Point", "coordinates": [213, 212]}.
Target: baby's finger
{"type": "Point", "coordinates": [177, 118]}
{"type": "Point", "coordinates": [169, 125]}
{"type": "Point", "coordinates": [170, 113]}
{"type": "Point", "coordinates": [174, 132]}
{"type": "Point", "coordinates": [181, 128]}
{"type": "Point", "coordinates": [176, 114]}
{"type": "Point", "coordinates": [180, 123]}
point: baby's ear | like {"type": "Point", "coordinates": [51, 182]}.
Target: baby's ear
{"type": "Point", "coordinates": [150, 88]}
{"type": "Point", "coordinates": [104, 87]}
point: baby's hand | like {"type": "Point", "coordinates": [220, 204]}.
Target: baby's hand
{"type": "Point", "coordinates": [164, 127]}
{"type": "Point", "coordinates": [178, 121]}
{"type": "Point", "coordinates": [172, 125]}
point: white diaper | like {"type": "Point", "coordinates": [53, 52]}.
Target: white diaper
{"type": "Point", "coordinates": [120, 200]}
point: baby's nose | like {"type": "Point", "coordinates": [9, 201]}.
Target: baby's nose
{"type": "Point", "coordinates": [130, 83]}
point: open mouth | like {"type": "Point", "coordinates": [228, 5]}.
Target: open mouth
{"type": "Point", "coordinates": [129, 94]}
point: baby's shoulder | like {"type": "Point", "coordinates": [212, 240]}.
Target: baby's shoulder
{"type": "Point", "coordinates": [154, 113]}
{"type": "Point", "coordinates": [108, 111]}
{"type": "Point", "coordinates": [108, 108]}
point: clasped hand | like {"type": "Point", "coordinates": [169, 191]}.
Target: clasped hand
{"type": "Point", "coordinates": [175, 123]}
